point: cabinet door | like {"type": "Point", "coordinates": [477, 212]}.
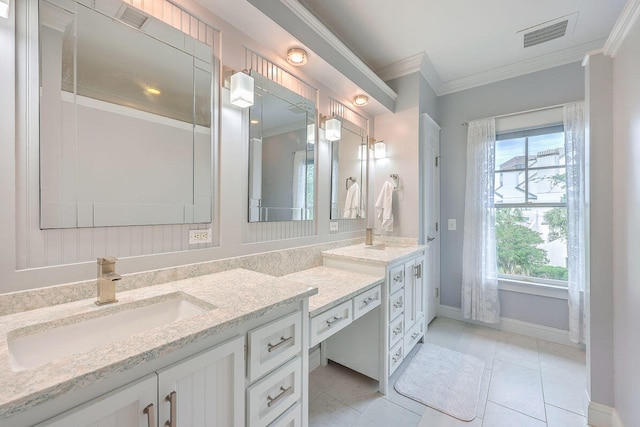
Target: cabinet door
{"type": "Point", "coordinates": [206, 389]}
{"type": "Point", "coordinates": [124, 407]}
{"type": "Point", "coordinates": [419, 286]}
{"type": "Point", "coordinates": [409, 295]}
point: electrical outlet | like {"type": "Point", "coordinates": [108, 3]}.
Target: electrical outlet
{"type": "Point", "coordinates": [199, 236]}
{"type": "Point", "coordinates": [452, 225]}
{"type": "Point", "coordinates": [333, 226]}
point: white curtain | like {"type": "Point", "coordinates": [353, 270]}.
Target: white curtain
{"type": "Point", "coordinates": [575, 158]}
{"type": "Point", "coordinates": [299, 183]}
{"type": "Point", "coordinates": [479, 262]}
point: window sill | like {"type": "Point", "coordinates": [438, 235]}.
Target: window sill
{"type": "Point", "coordinates": [539, 289]}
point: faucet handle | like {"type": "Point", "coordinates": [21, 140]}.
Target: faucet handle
{"type": "Point", "coordinates": [107, 260]}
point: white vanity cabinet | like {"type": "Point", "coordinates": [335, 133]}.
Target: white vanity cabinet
{"type": "Point", "coordinates": [376, 346]}
{"type": "Point", "coordinates": [205, 389]}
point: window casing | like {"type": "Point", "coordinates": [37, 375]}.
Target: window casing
{"type": "Point", "coordinates": [530, 198]}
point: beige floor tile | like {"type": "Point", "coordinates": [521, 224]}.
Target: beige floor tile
{"type": "Point", "coordinates": [478, 344]}
{"type": "Point", "coordinates": [518, 349]}
{"type": "Point", "coordinates": [355, 390]}
{"type": "Point", "coordinates": [384, 413]}
{"type": "Point", "coordinates": [433, 418]}
{"type": "Point", "coordinates": [499, 416]}
{"type": "Point", "coordinates": [484, 393]}
{"type": "Point", "coordinates": [564, 395]}
{"type": "Point", "coordinates": [517, 388]}
{"type": "Point", "coordinates": [325, 411]}
{"type": "Point", "coordinates": [324, 376]}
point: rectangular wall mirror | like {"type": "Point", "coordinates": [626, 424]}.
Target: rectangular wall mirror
{"type": "Point", "coordinates": [125, 118]}
{"type": "Point", "coordinates": [348, 173]}
{"type": "Point", "coordinates": [281, 154]}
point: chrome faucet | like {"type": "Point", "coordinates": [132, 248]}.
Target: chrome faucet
{"type": "Point", "coordinates": [107, 279]}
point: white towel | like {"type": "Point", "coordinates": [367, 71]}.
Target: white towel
{"type": "Point", "coordinates": [384, 206]}
{"type": "Point", "coordinates": [352, 201]}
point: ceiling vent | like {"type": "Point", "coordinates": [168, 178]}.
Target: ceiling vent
{"type": "Point", "coordinates": [133, 17]}
{"type": "Point", "coordinates": [549, 30]}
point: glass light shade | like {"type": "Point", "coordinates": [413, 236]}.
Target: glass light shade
{"type": "Point", "coordinates": [380, 150]}
{"type": "Point", "coordinates": [241, 90]}
{"type": "Point", "coordinates": [311, 134]}
{"type": "Point", "coordinates": [332, 128]}
{"type": "Point", "coordinates": [4, 8]}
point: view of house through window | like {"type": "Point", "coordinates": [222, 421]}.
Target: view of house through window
{"type": "Point", "coordinates": [531, 205]}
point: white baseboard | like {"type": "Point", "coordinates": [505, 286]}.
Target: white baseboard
{"type": "Point", "coordinates": [615, 419]}
{"type": "Point", "coordinates": [599, 415]}
{"type": "Point", "coordinates": [532, 330]}
{"type": "Point", "coordinates": [314, 358]}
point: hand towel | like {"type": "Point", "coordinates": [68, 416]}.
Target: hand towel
{"type": "Point", "coordinates": [384, 206]}
{"type": "Point", "coordinates": [352, 201]}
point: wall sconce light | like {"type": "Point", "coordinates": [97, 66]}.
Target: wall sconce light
{"type": "Point", "coordinates": [241, 86]}
{"type": "Point", "coordinates": [311, 133]}
{"type": "Point", "coordinates": [360, 100]}
{"type": "Point", "coordinates": [332, 129]}
{"type": "Point", "coordinates": [380, 150]}
{"type": "Point", "coordinates": [296, 56]}
{"type": "Point", "coordinates": [4, 8]}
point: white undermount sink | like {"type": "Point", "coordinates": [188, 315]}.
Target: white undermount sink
{"type": "Point", "coordinates": [38, 345]}
{"type": "Point", "coordinates": [383, 245]}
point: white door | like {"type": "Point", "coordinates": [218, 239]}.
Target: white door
{"type": "Point", "coordinates": [206, 390]}
{"type": "Point", "coordinates": [431, 213]}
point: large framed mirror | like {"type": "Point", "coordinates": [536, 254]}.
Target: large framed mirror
{"type": "Point", "coordinates": [349, 173]}
{"type": "Point", "coordinates": [282, 154]}
{"type": "Point", "coordinates": [126, 118]}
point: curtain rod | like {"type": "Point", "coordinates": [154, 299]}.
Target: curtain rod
{"type": "Point", "coordinates": [533, 110]}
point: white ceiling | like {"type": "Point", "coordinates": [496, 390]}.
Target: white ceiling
{"type": "Point", "coordinates": [463, 43]}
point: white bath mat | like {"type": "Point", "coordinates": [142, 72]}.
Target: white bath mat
{"type": "Point", "coordinates": [443, 379]}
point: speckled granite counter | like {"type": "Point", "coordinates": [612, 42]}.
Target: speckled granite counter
{"type": "Point", "coordinates": [334, 286]}
{"type": "Point", "coordinates": [381, 253]}
{"type": "Point", "coordinates": [239, 296]}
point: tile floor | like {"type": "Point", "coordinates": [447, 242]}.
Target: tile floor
{"type": "Point", "coordinates": [526, 382]}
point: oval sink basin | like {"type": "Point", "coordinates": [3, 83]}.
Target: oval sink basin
{"type": "Point", "coordinates": [40, 344]}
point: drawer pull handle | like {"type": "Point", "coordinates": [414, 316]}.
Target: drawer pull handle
{"type": "Point", "coordinates": [398, 304]}
{"type": "Point", "coordinates": [415, 335]}
{"type": "Point", "coordinates": [333, 320]}
{"type": "Point", "coordinates": [397, 356]}
{"type": "Point", "coordinates": [369, 300]}
{"type": "Point", "coordinates": [283, 341]}
{"type": "Point", "coordinates": [397, 330]}
{"type": "Point", "coordinates": [417, 271]}
{"type": "Point", "coordinates": [173, 415]}
{"type": "Point", "coordinates": [151, 415]}
{"type": "Point", "coordinates": [273, 400]}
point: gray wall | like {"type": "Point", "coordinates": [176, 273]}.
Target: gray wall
{"type": "Point", "coordinates": [626, 229]}
{"type": "Point", "coordinates": [540, 89]}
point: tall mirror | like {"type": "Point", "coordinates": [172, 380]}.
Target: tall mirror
{"type": "Point", "coordinates": [125, 118]}
{"type": "Point", "coordinates": [281, 154]}
{"type": "Point", "coordinates": [348, 173]}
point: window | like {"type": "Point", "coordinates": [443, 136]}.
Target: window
{"type": "Point", "coordinates": [530, 197]}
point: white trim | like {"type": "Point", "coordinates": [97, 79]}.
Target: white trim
{"type": "Point", "coordinates": [600, 415]}
{"type": "Point", "coordinates": [559, 336]}
{"type": "Point", "coordinates": [413, 64]}
{"type": "Point", "coordinates": [527, 66]}
{"type": "Point", "coordinates": [615, 419]}
{"type": "Point", "coordinates": [539, 289]}
{"type": "Point", "coordinates": [314, 358]}
{"type": "Point", "coordinates": [621, 28]}
{"type": "Point", "coordinates": [322, 31]}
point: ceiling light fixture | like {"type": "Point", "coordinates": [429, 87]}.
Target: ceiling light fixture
{"type": "Point", "coordinates": [241, 87]}
{"type": "Point", "coordinates": [153, 91]}
{"type": "Point", "coordinates": [296, 56]}
{"type": "Point", "coordinates": [4, 8]}
{"type": "Point", "coordinates": [360, 100]}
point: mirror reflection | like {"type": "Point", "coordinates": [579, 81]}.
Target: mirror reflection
{"type": "Point", "coordinates": [348, 173]}
{"type": "Point", "coordinates": [125, 118]}
{"type": "Point", "coordinates": [281, 154]}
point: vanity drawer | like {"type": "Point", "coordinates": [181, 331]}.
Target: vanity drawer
{"type": "Point", "coordinates": [396, 279]}
{"type": "Point", "coordinates": [396, 356]}
{"type": "Point", "coordinates": [396, 305]}
{"type": "Point", "coordinates": [291, 418]}
{"type": "Point", "coordinates": [366, 301]}
{"type": "Point", "coordinates": [331, 321]}
{"type": "Point", "coordinates": [273, 395]}
{"type": "Point", "coordinates": [413, 335]}
{"type": "Point", "coordinates": [396, 331]}
{"type": "Point", "coordinates": [273, 344]}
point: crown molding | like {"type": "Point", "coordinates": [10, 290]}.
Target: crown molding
{"type": "Point", "coordinates": [539, 63]}
{"type": "Point", "coordinates": [322, 31]}
{"type": "Point", "coordinates": [621, 28]}
{"type": "Point", "coordinates": [419, 62]}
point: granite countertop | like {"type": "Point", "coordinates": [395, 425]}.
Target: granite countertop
{"type": "Point", "coordinates": [238, 295]}
{"type": "Point", "coordinates": [334, 286]}
{"type": "Point", "coordinates": [381, 253]}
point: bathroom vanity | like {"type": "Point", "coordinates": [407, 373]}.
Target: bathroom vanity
{"type": "Point", "coordinates": [234, 351]}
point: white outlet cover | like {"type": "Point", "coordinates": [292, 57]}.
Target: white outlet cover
{"type": "Point", "coordinates": [452, 224]}
{"type": "Point", "coordinates": [199, 236]}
